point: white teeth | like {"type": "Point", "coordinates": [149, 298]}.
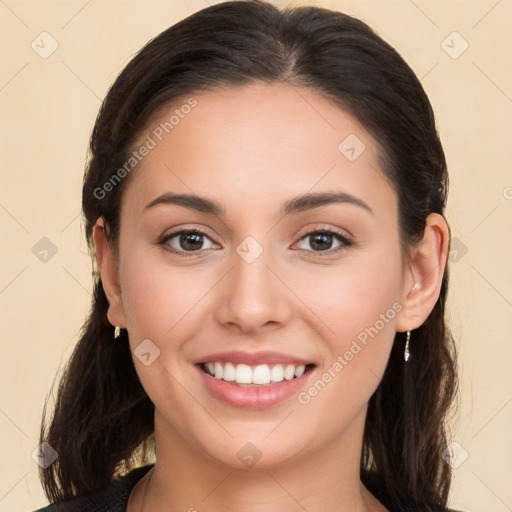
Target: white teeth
{"type": "Point", "coordinates": [229, 372]}
{"type": "Point", "coordinates": [219, 370]}
{"type": "Point", "coordinates": [258, 375]}
{"type": "Point", "coordinates": [261, 374]}
{"type": "Point", "coordinates": [289, 372]}
{"type": "Point", "coordinates": [277, 373]}
{"type": "Point", "coordinates": [299, 371]}
{"type": "Point", "coordinates": [243, 374]}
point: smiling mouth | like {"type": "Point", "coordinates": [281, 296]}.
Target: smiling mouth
{"type": "Point", "coordinates": [254, 376]}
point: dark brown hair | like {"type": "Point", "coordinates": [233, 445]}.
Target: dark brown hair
{"type": "Point", "coordinates": [102, 425]}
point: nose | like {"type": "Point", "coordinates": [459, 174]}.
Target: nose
{"type": "Point", "coordinates": [253, 296]}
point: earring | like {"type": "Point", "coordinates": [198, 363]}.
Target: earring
{"type": "Point", "coordinates": [117, 332]}
{"type": "Point", "coordinates": [406, 352]}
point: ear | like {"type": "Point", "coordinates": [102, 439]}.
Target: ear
{"type": "Point", "coordinates": [423, 279]}
{"type": "Point", "coordinates": [108, 268]}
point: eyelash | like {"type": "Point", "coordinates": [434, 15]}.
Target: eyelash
{"type": "Point", "coordinates": [345, 241]}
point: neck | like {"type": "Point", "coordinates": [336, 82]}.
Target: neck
{"type": "Point", "coordinates": [326, 480]}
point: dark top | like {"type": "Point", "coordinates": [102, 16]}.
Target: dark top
{"type": "Point", "coordinates": [114, 498]}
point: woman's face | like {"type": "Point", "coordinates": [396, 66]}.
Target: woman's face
{"type": "Point", "coordinates": [297, 269]}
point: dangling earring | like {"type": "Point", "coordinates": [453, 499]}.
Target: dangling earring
{"type": "Point", "coordinates": [406, 352]}
{"type": "Point", "coordinates": [117, 332]}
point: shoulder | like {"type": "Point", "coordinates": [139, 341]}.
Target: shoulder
{"type": "Point", "coordinates": [113, 498]}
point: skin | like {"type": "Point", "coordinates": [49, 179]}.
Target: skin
{"type": "Point", "coordinates": [250, 149]}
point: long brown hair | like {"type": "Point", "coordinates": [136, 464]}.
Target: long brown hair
{"type": "Point", "coordinates": [102, 424]}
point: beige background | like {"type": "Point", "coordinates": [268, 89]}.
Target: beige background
{"type": "Point", "coordinates": [48, 107]}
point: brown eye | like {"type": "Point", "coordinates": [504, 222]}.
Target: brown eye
{"type": "Point", "coordinates": [320, 241]}
{"type": "Point", "coordinates": [324, 241]}
{"type": "Point", "coordinates": [190, 241]}
{"type": "Point", "coordinates": [187, 241]}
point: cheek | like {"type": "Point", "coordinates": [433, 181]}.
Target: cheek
{"type": "Point", "coordinates": [355, 307]}
{"type": "Point", "coordinates": [352, 297]}
{"type": "Point", "coordinates": [159, 299]}
{"type": "Point", "coordinates": [359, 309]}
{"type": "Point", "coordinates": [162, 303]}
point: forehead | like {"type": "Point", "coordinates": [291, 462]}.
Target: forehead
{"type": "Point", "coordinates": [257, 140]}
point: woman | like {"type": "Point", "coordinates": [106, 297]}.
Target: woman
{"type": "Point", "coordinates": [264, 205]}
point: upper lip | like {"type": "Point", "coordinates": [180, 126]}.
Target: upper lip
{"type": "Point", "coordinates": [253, 359]}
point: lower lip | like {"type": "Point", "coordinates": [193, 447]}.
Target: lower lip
{"type": "Point", "coordinates": [253, 397]}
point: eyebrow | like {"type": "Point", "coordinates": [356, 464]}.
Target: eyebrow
{"type": "Point", "coordinates": [294, 205]}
